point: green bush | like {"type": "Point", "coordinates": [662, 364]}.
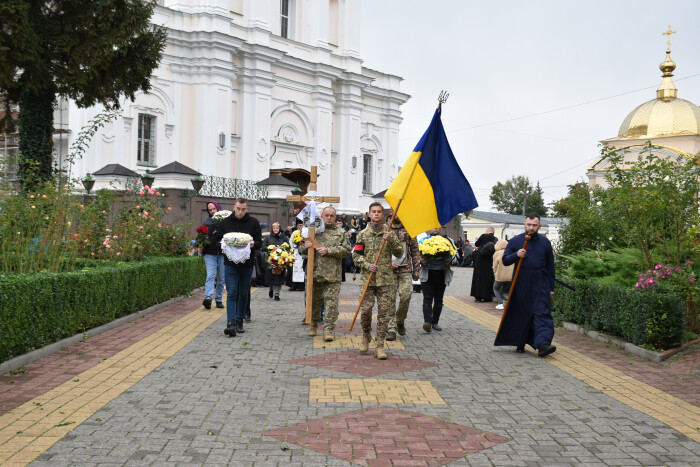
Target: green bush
{"type": "Point", "coordinates": [653, 319]}
{"type": "Point", "coordinates": [613, 267]}
{"type": "Point", "coordinates": [37, 309]}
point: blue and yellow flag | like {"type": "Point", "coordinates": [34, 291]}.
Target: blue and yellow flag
{"type": "Point", "coordinates": [431, 184]}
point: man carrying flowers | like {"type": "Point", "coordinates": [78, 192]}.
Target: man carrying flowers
{"type": "Point", "coordinates": [328, 260]}
{"type": "Point", "coordinates": [382, 284]}
{"type": "Point", "coordinates": [437, 252]}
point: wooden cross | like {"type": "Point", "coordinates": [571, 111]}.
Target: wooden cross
{"type": "Point", "coordinates": [311, 252]}
{"type": "Point", "coordinates": [668, 33]}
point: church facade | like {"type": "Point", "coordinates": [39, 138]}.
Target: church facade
{"type": "Point", "coordinates": [248, 89]}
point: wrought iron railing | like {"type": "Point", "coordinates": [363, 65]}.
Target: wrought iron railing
{"type": "Point", "coordinates": [222, 187]}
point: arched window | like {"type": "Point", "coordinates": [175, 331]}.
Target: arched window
{"type": "Point", "coordinates": [367, 173]}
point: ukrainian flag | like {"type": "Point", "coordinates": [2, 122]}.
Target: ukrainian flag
{"type": "Point", "coordinates": [431, 184]}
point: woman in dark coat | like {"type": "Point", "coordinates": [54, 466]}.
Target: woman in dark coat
{"type": "Point", "coordinates": [482, 280]}
{"type": "Point", "coordinates": [275, 281]}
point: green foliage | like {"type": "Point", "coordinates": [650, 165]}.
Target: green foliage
{"type": "Point", "coordinates": [36, 133]}
{"type": "Point", "coordinates": [518, 196]}
{"type": "Point", "coordinates": [92, 51]}
{"type": "Point", "coordinates": [651, 204]}
{"type": "Point", "coordinates": [654, 319]}
{"type": "Point", "coordinates": [611, 267]}
{"type": "Point", "coordinates": [41, 308]}
{"type": "Point", "coordinates": [562, 207]}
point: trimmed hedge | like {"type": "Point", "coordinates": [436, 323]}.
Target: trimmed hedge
{"type": "Point", "coordinates": [41, 308]}
{"type": "Point", "coordinates": [643, 317]}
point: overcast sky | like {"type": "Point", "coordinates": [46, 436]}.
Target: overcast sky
{"type": "Point", "coordinates": [505, 60]}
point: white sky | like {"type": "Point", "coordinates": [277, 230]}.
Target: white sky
{"type": "Point", "coordinates": [507, 59]}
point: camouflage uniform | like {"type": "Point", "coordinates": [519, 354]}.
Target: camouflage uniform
{"type": "Point", "coordinates": [327, 273]}
{"type": "Point", "coordinates": [382, 284]}
{"type": "Point", "coordinates": [409, 266]}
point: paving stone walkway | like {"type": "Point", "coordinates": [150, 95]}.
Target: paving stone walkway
{"type": "Point", "coordinates": [170, 388]}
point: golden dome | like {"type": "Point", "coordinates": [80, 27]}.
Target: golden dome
{"type": "Point", "coordinates": [666, 115]}
{"type": "Point", "coordinates": [662, 118]}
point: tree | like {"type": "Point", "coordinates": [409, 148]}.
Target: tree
{"type": "Point", "coordinates": [92, 51]}
{"type": "Point", "coordinates": [561, 207]}
{"type": "Point", "coordinates": [518, 196]}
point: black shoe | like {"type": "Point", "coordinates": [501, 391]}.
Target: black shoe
{"type": "Point", "coordinates": [546, 350]}
{"type": "Point", "coordinates": [277, 298]}
{"type": "Point", "coordinates": [230, 329]}
{"type": "Point", "coordinates": [437, 327]}
{"type": "Point", "coordinates": [239, 326]}
{"type": "Point", "coordinates": [207, 303]}
{"type": "Point", "coordinates": [220, 304]}
{"type": "Point", "coordinates": [520, 350]}
{"type": "Point", "coordinates": [247, 319]}
{"type": "Point", "coordinates": [401, 329]}
{"type": "Point", "coordinates": [270, 293]}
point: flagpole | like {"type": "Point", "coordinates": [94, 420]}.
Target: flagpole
{"type": "Point", "coordinates": [376, 260]}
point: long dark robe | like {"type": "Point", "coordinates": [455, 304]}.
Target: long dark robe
{"type": "Point", "coordinates": [528, 318]}
{"type": "Point", "coordinates": [482, 279]}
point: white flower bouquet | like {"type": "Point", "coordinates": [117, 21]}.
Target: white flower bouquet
{"type": "Point", "coordinates": [237, 239]}
{"type": "Point", "coordinates": [236, 246]}
{"type": "Point", "coordinates": [219, 216]}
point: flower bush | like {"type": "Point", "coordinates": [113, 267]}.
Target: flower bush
{"type": "Point", "coordinates": [279, 257]}
{"type": "Point", "coordinates": [436, 247]}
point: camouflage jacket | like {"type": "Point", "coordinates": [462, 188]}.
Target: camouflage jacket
{"type": "Point", "coordinates": [365, 251]}
{"type": "Point", "coordinates": [328, 268]}
{"type": "Point", "coordinates": [410, 260]}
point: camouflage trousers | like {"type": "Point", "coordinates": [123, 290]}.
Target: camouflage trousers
{"type": "Point", "coordinates": [404, 286]}
{"type": "Point", "coordinates": [325, 292]}
{"type": "Point", "coordinates": [386, 299]}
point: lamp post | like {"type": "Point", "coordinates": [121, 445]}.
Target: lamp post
{"type": "Point", "coordinates": [88, 183]}
{"type": "Point", "coordinates": [197, 184]}
{"type": "Point", "coordinates": [147, 179]}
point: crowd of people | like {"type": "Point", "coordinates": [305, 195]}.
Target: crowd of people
{"type": "Point", "coordinates": [352, 244]}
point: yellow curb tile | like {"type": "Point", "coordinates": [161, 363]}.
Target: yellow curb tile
{"type": "Point", "coordinates": [350, 315]}
{"type": "Point", "coordinates": [375, 391]}
{"type": "Point", "coordinates": [612, 382]}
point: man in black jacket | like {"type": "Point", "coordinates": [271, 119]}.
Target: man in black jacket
{"type": "Point", "coordinates": [238, 275]}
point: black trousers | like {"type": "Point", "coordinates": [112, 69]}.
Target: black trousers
{"type": "Point", "coordinates": [433, 292]}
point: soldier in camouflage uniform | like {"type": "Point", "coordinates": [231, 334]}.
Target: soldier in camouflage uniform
{"type": "Point", "coordinates": [405, 268]}
{"type": "Point", "coordinates": [328, 262]}
{"type": "Point", "coordinates": [382, 284]}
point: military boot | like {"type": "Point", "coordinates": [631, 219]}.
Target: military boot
{"type": "Point", "coordinates": [379, 353]}
{"type": "Point", "coordinates": [364, 345]}
{"type": "Point", "coordinates": [401, 329]}
{"type": "Point", "coordinates": [391, 336]}
{"type": "Point", "coordinates": [328, 336]}
{"type": "Point", "coordinates": [312, 329]}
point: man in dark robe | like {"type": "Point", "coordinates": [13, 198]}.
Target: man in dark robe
{"type": "Point", "coordinates": [528, 319]}
{"type": "Point", "coordinates": [482, 278]}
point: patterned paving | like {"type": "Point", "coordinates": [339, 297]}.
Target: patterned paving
{"type": "Point", "coordinates": [359, 364]}
{"type": "Point", "coordinates": [353, 342]}
{"type": "Point", "coordinates": [378, 391]}
{"type": "Point", "coordinates": [383, 436]}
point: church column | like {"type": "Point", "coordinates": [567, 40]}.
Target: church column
{"type": "Point", "coordinates": [256, 82]}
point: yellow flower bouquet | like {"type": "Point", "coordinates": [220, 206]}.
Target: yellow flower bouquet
{"type": "Point", "coordinates": [296, 238]}
{"type": "Point", "coordinates": [279, 257]}
{"type": "Point", "coordinates": [436, 247]}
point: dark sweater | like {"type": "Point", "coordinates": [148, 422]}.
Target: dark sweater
{"type": "Point", "coordinates": [248, 225]}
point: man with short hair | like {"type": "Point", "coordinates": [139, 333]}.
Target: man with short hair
{"type": "Point", "coordinates": [239, 275]}
{"type": "Point", "coordinates": [328, 262]}
{"type": "Point", "coordinates": [382, 284]}
{"type": "Point", "coordinates": [528, 319]}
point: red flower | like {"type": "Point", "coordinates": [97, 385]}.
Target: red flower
{"type": "Point", "coordinates": [203, 229]}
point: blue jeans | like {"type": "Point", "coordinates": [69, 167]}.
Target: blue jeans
{"type": "Point", "coordinates": [215, 270]}
{"type": "Point", "coordinates": [238, 280]}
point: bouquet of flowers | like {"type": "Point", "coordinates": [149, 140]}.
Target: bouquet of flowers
{"type": "Point", "coordinates": [202, 236]}
{"type": "Point", "coordinates": [296, 238]}
{"type": "Point", "coordinates": [279, 257]}
{"type": "Point", "coordinates": [219, 216]}
{"type": "Point", "coordinates": [436, 247]}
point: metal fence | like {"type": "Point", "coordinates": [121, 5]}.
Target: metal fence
{"type": "Point", "coordinates": [222, 187]}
